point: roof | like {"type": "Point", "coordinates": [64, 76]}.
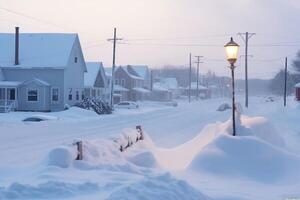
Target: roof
{"type": "Point", "coordinates": [36, 49]}
{"type": "Point", "coordinates": [9, 83]}
{"type": "Point", "coordinates": [297, 85]}
{"type": "Point", "coordinates": [159, 87]}
{"type": "Point", "coordinates": [141, 90]}
{"type": "Point", "coordinates": [108, 71]}
{"type": "Point", "coordinates": [90, 76]}
{"type": "Point", "coordinates": [120, 88]}
{"type": "Point", "coordinates": [169, 83]}
{"type": "Point", "coordinates": [125, 68]}
{"type": "Point", "coordinates": [141, 70]}
{"type": "Point", "coordinates": [194, 86]}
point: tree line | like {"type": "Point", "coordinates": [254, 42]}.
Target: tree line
{"type": "Point", "coordinates": [277, 83]}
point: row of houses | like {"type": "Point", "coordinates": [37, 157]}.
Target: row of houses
{"type": "Point", "coordinates": [48, 72]}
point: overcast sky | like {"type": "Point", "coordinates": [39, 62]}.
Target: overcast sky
{"type": "Point", "coordinates": [164, 32]}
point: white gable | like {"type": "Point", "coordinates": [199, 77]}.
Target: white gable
{"type": "Point", "coordinates": [36, 49]}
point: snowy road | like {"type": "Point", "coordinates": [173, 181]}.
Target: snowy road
{"type": "Point", "coordinates": [167, 126]}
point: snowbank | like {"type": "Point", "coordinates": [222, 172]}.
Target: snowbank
{"type": "Point", "coordinates": [163, 187]}
{"type": "Point", "coordinates": [248, 157]}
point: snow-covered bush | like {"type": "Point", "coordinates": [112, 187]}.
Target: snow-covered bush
{"type": "Point", "coordinates": [99, 106]}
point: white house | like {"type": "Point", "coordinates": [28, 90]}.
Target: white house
{"type": "Point", "coordinates": [40, 71]}
{"type": "Point", "coordinates": [96, 83]}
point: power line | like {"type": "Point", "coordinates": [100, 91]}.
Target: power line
{"type": "Point", "coordinates": [35, 18]}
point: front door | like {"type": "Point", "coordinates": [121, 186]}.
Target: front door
{"type": "Point", "coordinates": [11, 94]}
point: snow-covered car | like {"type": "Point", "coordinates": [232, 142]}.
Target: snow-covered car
{"type": "Point", "coordinates": [127, 104]}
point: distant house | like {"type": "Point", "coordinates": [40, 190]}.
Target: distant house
{"type": "Point", "coordinates": [96, 84]}
{"type": "Point", "coordinates": [204, 92]}
{"type": "Point", "coordinates": [130, 83]}
{"type": "Point", "coordinates": [40, 71]}
{"type": "Point", "coordinates": [144, 72]}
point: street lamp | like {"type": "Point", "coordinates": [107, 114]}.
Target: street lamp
{"type": "Point", "coordinates": [232, 49]}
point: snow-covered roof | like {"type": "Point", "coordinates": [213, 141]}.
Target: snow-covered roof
{"type": "Point", "coordinates": [141, 90]}
{"type": "Point", "coordinates": [108, 71]}
{"type": "Point", "coordinates": [36, 49]}
{"type": "Point", "coordinates": [169, 83]}
{"type": "Point", "coordinates": [125, 68]}
{"type": "Point", "coordinates": [141, 70]}
{"type": "Point", "coordinates": [194, 86]}
{"type": "Point", "coordinates": [120, 88]}
{"type": "Point", "coordinates": [158, 87]}
{"type": "Point", "coordinates": [90, 76]}
{"type": "Point", "coordinates": [9, 83]}
{"type": "Point", "coordinates": [297, 85]}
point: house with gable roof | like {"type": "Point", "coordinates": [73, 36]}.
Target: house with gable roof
{"type": "Point", "coordinates": [40, 71]}
{"type": "Point", "coordinates": [130, 83]}
{"type": "Point", "coordinates": [96, 83]}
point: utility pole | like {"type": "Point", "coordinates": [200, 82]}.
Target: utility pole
{"type": "Point", "coordinates": [285, 82]}
{"type": "Point", "coordinates": [115, 39]}
{"type": "Point", "coordinates": [198, 63]}
{"type": "Point", "coordinates": [190, 78]}
{"type": "Point", "coordinates": [246, 36]}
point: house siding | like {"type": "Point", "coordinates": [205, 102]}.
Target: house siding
{"type": "Point", "coordinates": [74, 75]}
{"type": "Point", "coordinates": [55, 77]}
{"type": "Point", "coordinates": [43, 98]}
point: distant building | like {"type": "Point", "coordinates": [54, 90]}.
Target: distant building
{"type": "Point", "coordinates": [129, 84]}
{"type": "Point", "coordinates": [40, 71]}
{"type": "Point", "coordinates": [96, 83]}
{"type": "Point", "coordinates": [165, 89]}
{"type": "Point", "coordinates": [204, 92]}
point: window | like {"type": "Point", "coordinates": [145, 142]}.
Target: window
{"type": "Point", "coordinates": [70, 94]}
{"type": "Point", "coordinates": [82, 95]}
{"type": "Point", "coordinates": [2, 93]}
{"type": "Point", "coordinates": [32, 95]}
{"type": "Point", "coordinates": [75, 59]}
{"type": "Point", "coordinates": [123, 82]}
{"type": "Point", "coordinates": [116, 82]}
{"type": "Point", "coordinates": [77, 95]}
{"type": "Point", "coordinates": [93, 93]}
{"type": "Point", "coordinates": [55, 94]}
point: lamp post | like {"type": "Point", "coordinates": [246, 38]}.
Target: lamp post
{"type": "Point", "coordinates": [232, 53]}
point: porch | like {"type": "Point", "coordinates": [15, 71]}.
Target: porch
{"type": "Point", "coordinates": [8, 96]}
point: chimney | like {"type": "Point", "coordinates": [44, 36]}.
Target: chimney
{"type": "Point", "coordinates": [17, 46]}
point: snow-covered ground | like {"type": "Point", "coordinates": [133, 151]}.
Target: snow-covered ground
{"type": "Point", "coordinates": [187, 154]}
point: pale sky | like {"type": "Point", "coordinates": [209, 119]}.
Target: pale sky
{"type": "Point", "coordinates": [161, 32]}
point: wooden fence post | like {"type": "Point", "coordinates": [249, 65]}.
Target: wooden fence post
{"type": "Point", "coordinates": [79, 150]}
{"type": "Point", "coordinates": [140, 131]}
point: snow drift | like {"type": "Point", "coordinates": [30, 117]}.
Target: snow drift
{"type": "Point", "coordinates": [247, 157]}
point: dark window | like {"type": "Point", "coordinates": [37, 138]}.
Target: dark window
{"type": "Point", "coordinates": [77, 95]}
{"type": "Point", "coordinates": [11, 94]}
{"type": "Point", "coordinates": [32, 95]}
{"type": "Point", "coordinates": [70, 94]}
{"type": "Point", "coordinates": [75, 59]}
{"type": "Point", "coordinates": [82, 95]}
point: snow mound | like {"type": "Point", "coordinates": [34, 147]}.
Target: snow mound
{"type": "Point", "coordinates": [38, 118]}
{"type": "Point", "coordinates": [61, 157]}
{"type": "Point", "coordinates": [50, 189]}
{"type": "Point", "coordinates": [144, 159]}
{"type": "Point", "coordinates": [162, 187]}
{"type": "Point", "coordinates": [248, 157]}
